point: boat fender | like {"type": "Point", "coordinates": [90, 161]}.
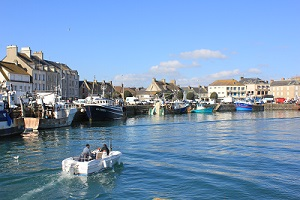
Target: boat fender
{"type": "Point", "coordinates": [104, 164]}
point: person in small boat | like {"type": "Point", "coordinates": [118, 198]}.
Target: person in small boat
{"type": "Point", "coordinates": [105, 151]}
{"type": "Point", "coordinates": [86, 153]}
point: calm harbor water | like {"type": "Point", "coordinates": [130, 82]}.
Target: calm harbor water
{"type": "Point", "coordinates": [232, 155]}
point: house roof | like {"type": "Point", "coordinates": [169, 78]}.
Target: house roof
{"type": "Point", "coordinates": [201, 89]}
{"type": "Point", "coordinates": [161, 86]}
{"type": "Point", "coordinates": [13, 68]}
{"type": "Point", "coordinates": [285, 83]}
{"type": "Point", "coordinates": [252, 81]}
{"type": "Point", "coordinates": [229, 82]}
{"type": "Point", "coordinates": [33, 59]}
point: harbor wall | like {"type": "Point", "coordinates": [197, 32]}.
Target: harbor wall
{"type": "Point", "coordinates": [280, 106]}
{"type": "Point", "coordinates": [132, 110]}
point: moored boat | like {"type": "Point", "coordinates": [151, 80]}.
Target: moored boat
{"type": "Point", "coordinates": [8, 125]}
{"type": "Point", "coordinates": [243, 105]}
{"type": "Point", "coordinates": [47, 111]}
{"type": "Point", "coordinates": [76, 166]}
{"type": "Point", "coordinates": [177, 107]}
{"type": "Point", "coordinates": [103, 109]}
{"type": "Point", "coordinates": [202, 108]}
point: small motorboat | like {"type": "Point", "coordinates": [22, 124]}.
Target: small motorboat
{"type": "Point", "coordinates": [78, 166]}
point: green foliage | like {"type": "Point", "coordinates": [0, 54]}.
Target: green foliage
{"type": "Point", "coordinates": [190, 96]}
{"type": "Point", "coordinates": [214, 95]}
{"type": "Point", "coordinates": [116, 95]}
{"type": "Point", "coordinates": [127, 94]}
{"type": "Point", "coordinates": [180, 95]}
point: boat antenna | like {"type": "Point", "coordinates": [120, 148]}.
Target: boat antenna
{"type": "Point", "coordinates": [110, 145]}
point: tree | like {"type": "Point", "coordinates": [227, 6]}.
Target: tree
{"type": "Point", "coordinates": [214, 95]}
{"type": "Point", "coordinates": [190, 96]}
{"type": "Point", "coordinates": [116, 95]}
{"type": "Point", "coordinates": [180, 95]}
{"type": "Point", "coordinates": [127, 94]}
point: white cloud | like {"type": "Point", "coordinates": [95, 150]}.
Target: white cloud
{"type": "Point", "coordinates": [225, 74]}
{"type": "Point", "coordinates": [254, 71]}
{"type": "Point", "coordinates": [167, 67]}
{"type": "Point", "coordinates": [132, 80]}
{"type": "Point", "coordinates": [202, 53]}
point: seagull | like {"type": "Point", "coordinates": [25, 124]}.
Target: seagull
{"type": "Point", "coordinates": [16, 157]}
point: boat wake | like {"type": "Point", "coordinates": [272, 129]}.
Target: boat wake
{"type": "Point", "coordinates": [30, 194]}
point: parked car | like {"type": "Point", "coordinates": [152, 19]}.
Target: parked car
{"type": "Point", "coordinates": [133, 101]}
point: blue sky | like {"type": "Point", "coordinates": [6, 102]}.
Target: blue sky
{"type": "Point", "coordinates": [194, 42]}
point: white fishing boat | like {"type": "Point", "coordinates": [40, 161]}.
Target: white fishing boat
{"type": "Point", "coordinates": [78, 166]}
{"type": "Point", "coordinates": [47, 111]}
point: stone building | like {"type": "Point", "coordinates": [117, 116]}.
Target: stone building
{"type": "Point", "coordinates": [288, 89]}
{"type": "Point", "coordinates": [255, 87]}
{"type": "Point", "coordinates": [95, 88]}
{"type": "Point", "coordinates": [45, 75]}
{"type": "Point", "coordinates": [200, 92]}
{"type": "Point", "coordinates": [15, 79]}
{"type": "Point", "coordinates": [162, 88]}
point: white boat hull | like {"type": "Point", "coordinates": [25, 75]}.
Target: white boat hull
{"type": "Point", "coordinates": [71, 165]}
{"type": "Point", "coordinates": [47, 123]}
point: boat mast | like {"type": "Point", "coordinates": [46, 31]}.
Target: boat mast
{"type": "Point", "coordinates": [103, 87]}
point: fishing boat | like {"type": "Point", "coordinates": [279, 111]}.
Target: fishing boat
{"type": "Point", "coordinates": [157, 109]}
{"type": "Point", "coordinates": [177, 107]}
{"type": "Point", "coordinates": [47, 111]}
{"type": "Point", "coordinates": [78, 166]}
{"type": "Point", "coordinates": [9, 125]}
{"type": "Point", "coordinates": [203, 108]}
{"type": "Point", "coordinates": [243, 105]}
{"type": "Point", "coordinates": [103, 109]}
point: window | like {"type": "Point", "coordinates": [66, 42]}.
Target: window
{"type": "Point", "coordinates": [35, 76]}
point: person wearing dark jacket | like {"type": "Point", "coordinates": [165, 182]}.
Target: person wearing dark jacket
{"type": "Point", "coordinates": [105, 149]}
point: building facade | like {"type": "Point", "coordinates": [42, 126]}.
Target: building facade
{"type": "Point", "coordinates": [45, 75]}
{"type": "Point", "coordinates": [15, 79]}
{"type": "Point", "coordinates": [162, 87]}
{"type": "Point", "coordinates": [227, 88]}
{"type": "Point", "coordinates": [255, 87]}
{"type": "Point", "coordinates": [95, 88]}
{"type": "Point", "coordinates": [288, 89]}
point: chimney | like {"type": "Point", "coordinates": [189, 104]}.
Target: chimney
{"type": "Point", "coordinates": [173, 81]}
{"type": "Point", "coordinates": [26, 50]}
{"type": "Point", "coordinates": [153, 80]}
{"type": "Point", "coordinates": [282, 79]}
{"type": "Point", "coordinates": [11, 52]}
{"type": "Point", "coordinates": [39, 54]}
{"type": "Point", "coordinates": [163, 80]}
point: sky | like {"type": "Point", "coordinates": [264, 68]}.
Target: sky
{"type": "Point", "coordinates": [194, 42]}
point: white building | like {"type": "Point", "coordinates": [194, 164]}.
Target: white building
{"type": "Point", "coordinates": [226, 88]}
{"type": "Point", "coordinates": [14, 78]}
